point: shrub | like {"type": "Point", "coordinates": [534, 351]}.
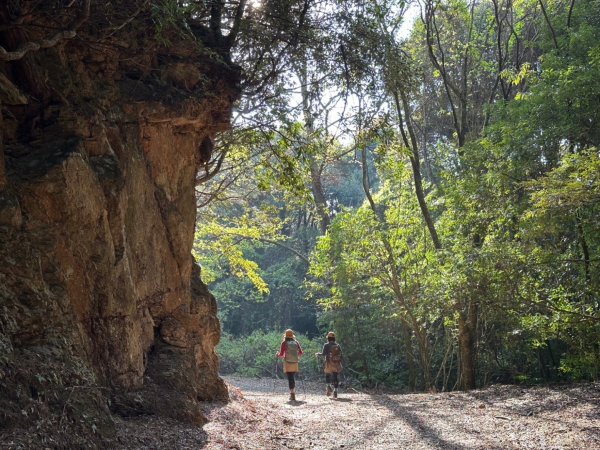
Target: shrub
{"type": "Point", "coordinates": [254, 355]}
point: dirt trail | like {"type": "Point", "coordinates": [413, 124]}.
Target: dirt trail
{"type": "Point", "coordinates": [501, 417]}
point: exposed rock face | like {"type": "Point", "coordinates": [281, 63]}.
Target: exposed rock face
{"type": "Point", "coordinates": [99, 295]}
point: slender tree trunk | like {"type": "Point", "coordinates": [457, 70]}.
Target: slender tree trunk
{"type": "Point", "coordinates": [543, 369]}
{"type": "Point", "coordinates": [395, 279]}
{"type": "Point", "coordinates": [442, 370]}
{"type": "Point", "coordinates": [410, 140]}
{"type": "Point", "coordinates": [410, 358]}
{"type": "Point", "coordinates": [365, 359]}
{"type": "Point", "coordinates": [316, 169]}
{"type": "Point", "coordinates": [319, 195]}
{"type": "Point", "coordinates": [584, 248]}
{"type": "Point", "coordinates": [411, 143]}
{"type": "Point", "coordinates": [549, 23]}
{"type": "Point", "coordinates": [449, 372]}
{"type": "Point", "coordinates": [467, 326]}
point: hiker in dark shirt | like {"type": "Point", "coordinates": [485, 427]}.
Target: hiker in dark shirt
{"type": "Point", "coordinates": [332, 352]}
{"type": "Point", "coordinates": [290, 351]}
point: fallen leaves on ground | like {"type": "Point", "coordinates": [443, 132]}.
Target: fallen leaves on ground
{"type": "Point", "coordinates": [260, 416]}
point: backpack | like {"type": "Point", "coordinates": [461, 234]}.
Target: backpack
{"type": "Point", "coordinates": [291, 352]}
{"type": "Point", "coordinates": [335, 354]}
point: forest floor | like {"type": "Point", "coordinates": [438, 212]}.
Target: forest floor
{"type": "Point", "coordinates": [260, 416]}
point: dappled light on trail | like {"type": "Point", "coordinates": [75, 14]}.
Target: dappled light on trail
{"type": "Point", "coordinates": [499, 417]}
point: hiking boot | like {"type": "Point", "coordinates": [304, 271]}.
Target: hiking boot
{"type": "Point", "coordinates": [328, 391]}
{"type": "Point", "coordinates": [292, 396]}
{"type": "Point", "coordinates": [335, 393]}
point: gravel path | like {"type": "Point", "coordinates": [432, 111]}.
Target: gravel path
{"type": "Point", "coordinates": [260, 416]}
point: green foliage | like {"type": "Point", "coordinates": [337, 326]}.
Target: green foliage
{"type": "Point", "coordinates": [507, 131]}
{"type": "Point", "coordinates": [254, 355]}
{"type": "Point", "coordinates": [242, 310]}
{"type": "Point", "coordinates": [572, 186]}
{"type": "Point", "coordinates": [168, 16]}
{"type": "Point", "coordinates": [517, 216]}
{"type": "Point", "coordinates": [581, 366]}
{"type": "Point", "coordinates": [370, 342]}
{"type": "Point", "coordinates": [228, 241]}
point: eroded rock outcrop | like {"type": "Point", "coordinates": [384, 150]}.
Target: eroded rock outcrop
{"type": "Point", "coordinates": [101, 305]}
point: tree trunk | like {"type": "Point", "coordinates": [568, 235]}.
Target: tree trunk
{"type": "Point", "coordinates": [467, 327]}
{"type": "Point", "coordinates": [319, 195]}
{"type": "Point", "coordinates": [420, 332]}
{"type": "Point", "coordinates": [415, 162]}
{"type": "Point", "coordinates": [3, 180]}
{"type": "Point", "coordinates": [410, 359]}
{"type": "Point", "coordinates": [358, 328]}
{"type": "Point", "coordinates": [584, 249]}
{"type": "Point", "coordinates": [315, 169]}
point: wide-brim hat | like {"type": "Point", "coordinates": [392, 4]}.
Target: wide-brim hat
{"type": "Point", "coordinates": [289, 333]}
{"type": "Point", "coordinates": [331, 334]}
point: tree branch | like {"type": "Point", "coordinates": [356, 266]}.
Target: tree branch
{"type": "Point", "coordinates": [287, 247]}
{"type": "Point", "coordinates": [235, 28]}
{"type": "Point", "coordinates": [216, 14]}
{"type": "Point", "coordinates": [449, 86]}
{"type": "Point", "coordinates": [416, 165]}
{"type": "Point", "coordinates": [570, 13]}
{"type": "Point", "coordinates": [27, 47]}
{"type": "Point", "coordinates": [547, 19]}
{"type": "Point", "coordinates": [215, 171]}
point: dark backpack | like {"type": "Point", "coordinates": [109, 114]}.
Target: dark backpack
{"type": "Point", "coordinates": [335, 354]}
{"type": "Point", "coordinates": [291, 352]}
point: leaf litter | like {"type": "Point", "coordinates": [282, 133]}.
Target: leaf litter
{"type": "Point", "coordinates": [260, 416]}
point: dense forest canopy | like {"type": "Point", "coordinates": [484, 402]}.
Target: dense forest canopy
{"type": "Point", "coordinates": [423, 177]}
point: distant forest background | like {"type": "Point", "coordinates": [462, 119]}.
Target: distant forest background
{"type": "Point", "coordinates": [423, 179]}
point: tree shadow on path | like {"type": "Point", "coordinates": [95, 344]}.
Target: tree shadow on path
{"type": "Point", "coordinates": [406, 413]}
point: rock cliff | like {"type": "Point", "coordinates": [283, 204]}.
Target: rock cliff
{"type": "Point", "coordinates": [102, 308]}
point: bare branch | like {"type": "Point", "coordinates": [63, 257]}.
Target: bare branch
{"type": "Point", "coordinates": [570, 13]}
{"type": "Point", "coordinates": [216, 14]}
{"type": "Point", "coordinates": [235, 29]}
{"type": "Point", "coordinates": [130, 19]}
{"type": "Point", "coordinates": [547, 19]}
{"type": "Point", "coordinates": [440, 64]}
{"type": "Point", "coordinates": [412, 145]}
{"type": "Point", "coordinates": [287, 247]}
{"type": "Point", "coordinates": [27, 47]}
{"type": "Point", "coordinates": [215, 171]}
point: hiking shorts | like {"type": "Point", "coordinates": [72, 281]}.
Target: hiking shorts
{"type": "Point", "coordinates": [331, 367]}
{"type": "Point", "coordinates": [290, 367]}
